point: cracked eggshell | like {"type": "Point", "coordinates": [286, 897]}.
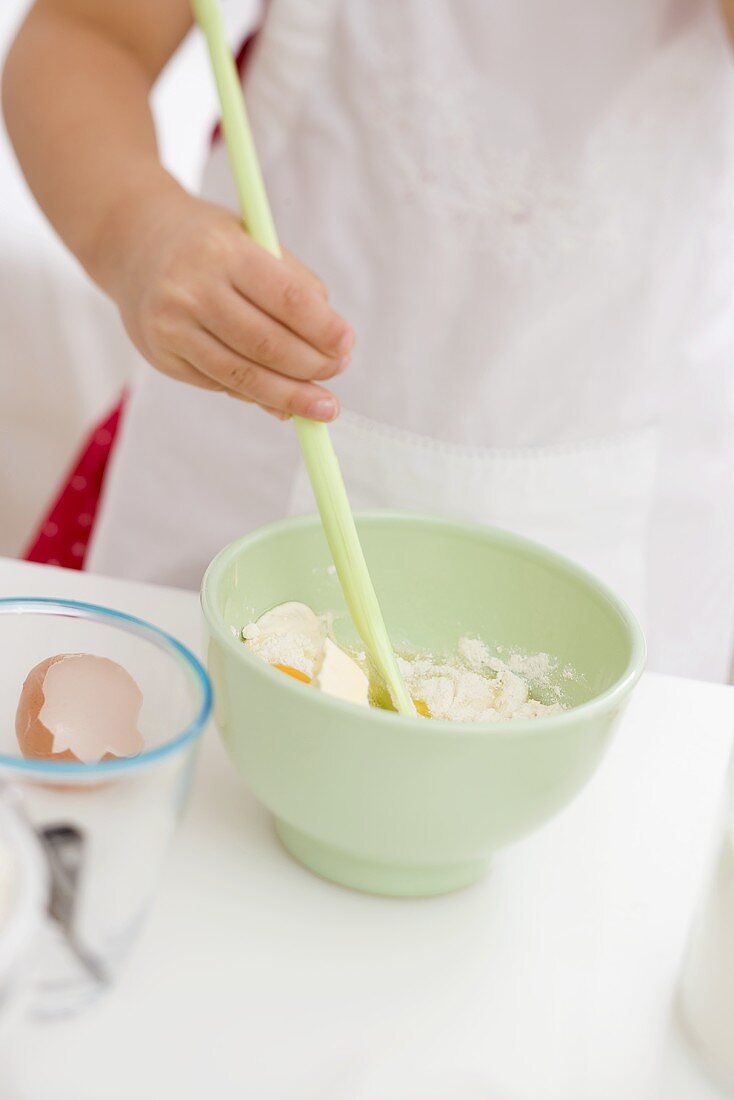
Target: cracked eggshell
{"type": "Point", "coordinates": [76, 733]}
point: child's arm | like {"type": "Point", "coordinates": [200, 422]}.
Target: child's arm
{"type": "Point", "coordinates": [727, 10]}
{"type": "Point", "coordinates": [201, 301]}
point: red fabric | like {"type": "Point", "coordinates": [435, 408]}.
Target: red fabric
{"type": "Point", "coordinates": [63, 535]}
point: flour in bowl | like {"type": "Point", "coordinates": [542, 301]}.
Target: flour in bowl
{"type": "Point", "coordinates": [474, 685]}
{"type": "Point", "coordinates": [290, 635]}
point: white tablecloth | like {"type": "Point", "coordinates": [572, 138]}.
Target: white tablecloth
{"type": "Point", "coordinates": [552, 980]}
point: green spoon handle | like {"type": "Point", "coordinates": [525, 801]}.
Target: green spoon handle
{"type": "Point", "coordinates": [318, 453]}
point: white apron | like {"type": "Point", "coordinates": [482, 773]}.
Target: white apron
{"type": "Point", "coordinates": [525, 211]}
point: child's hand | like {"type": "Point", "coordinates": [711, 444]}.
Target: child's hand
{"type": "Point", "coordinates": [206, 305]}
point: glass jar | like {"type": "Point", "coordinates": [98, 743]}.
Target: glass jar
{"type": "Point", "coordinates": [104, 828]}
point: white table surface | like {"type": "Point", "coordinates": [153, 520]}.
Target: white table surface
{"type": "Point", "coordinates": [552, 980]}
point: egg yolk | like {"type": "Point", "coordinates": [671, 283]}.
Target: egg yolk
{"type": "Point", "coordinates": [295, 673]}
{"type": "Point", "coordinates": [420, 706]}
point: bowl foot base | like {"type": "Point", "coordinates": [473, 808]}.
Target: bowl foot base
{"type": "Point", "coordinates": [374, 877]}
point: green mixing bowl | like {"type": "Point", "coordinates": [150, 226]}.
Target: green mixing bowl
{"type": "Point", "coordinates": [409, 806]}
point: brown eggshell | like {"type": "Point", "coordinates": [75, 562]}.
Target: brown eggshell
{"type": "Point", "coordinates": [34, 739]}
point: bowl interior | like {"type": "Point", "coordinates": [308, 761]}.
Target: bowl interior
{"type": "Point", "coordinates": [439, 581]}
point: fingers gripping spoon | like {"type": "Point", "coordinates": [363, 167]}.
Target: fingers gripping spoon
{"type": "Point", "coordinates": [318, 453]}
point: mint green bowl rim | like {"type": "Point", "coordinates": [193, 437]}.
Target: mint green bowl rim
{"type": "Point", "coordinates": [529, 727]}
